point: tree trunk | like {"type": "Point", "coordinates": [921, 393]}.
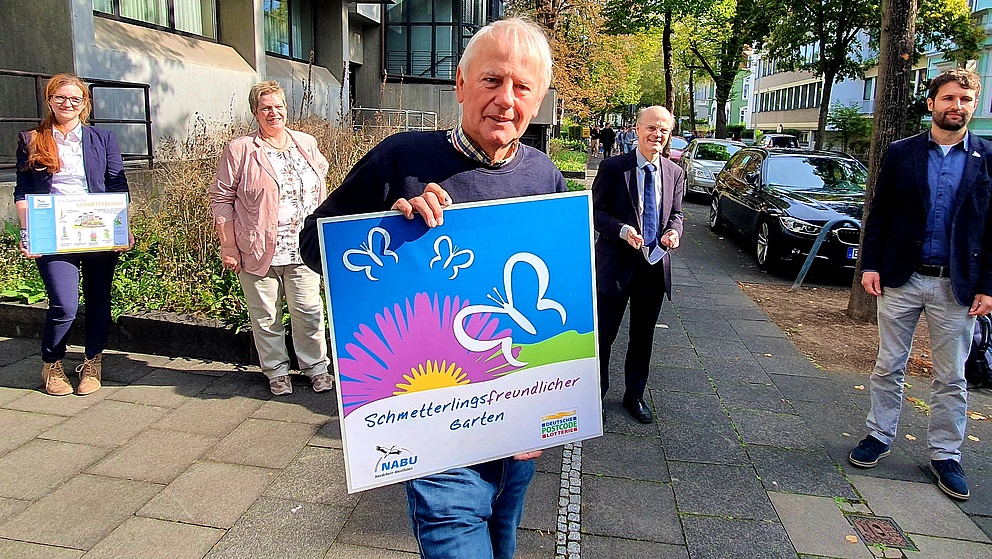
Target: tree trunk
{"type": "Point", "coordinates": [666, 50]}
{"type": "Point", "coordinates": [722, 95]}
{"type": "Point", "coordinates": [895, 71]}
{"type": "Point", "coordinates": [821, 121]}
{"type": "Point", "coordinates": [692, 105]}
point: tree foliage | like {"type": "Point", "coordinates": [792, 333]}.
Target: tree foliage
{"type": "Point", "coordinates": [836, 31]}
{"type": "Point", "coordinates": [720, 39]}
{"type": "Point", "coordinates": [594, 71]}
{"type": "Point", "coordinates": [848, 121]}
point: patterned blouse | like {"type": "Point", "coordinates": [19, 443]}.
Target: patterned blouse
{"type": "Point", "coordinates": [299, 188]}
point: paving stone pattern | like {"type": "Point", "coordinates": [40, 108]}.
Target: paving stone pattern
{"type": "Point", "coordinates": [183, 458]}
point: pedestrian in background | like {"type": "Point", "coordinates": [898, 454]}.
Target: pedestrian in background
{"type": "Point", "coordinates": [928, 248]}
{"type": "Point", "coordinates": [65, 156]}
{"type": "Point", "coordinates": [267, 183]}
{"type": "Point", "coordinates": [608, 137]}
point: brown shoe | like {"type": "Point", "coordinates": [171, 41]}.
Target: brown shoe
{"type": "Point", "coordinates": [322, 382]}
{"type": "Point", "coordinates": [56, 383]}
{"type": "Point", "coordinates": [90, 374]}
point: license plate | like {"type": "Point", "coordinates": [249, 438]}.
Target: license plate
{"type": "Point", "coordinates": [852, 253]}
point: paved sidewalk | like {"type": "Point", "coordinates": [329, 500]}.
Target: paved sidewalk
{"type": "Point", "coordinates": [188, 459]}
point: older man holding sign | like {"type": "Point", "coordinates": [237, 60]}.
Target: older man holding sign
{"type": "Point", "coordinates": [509, 389]}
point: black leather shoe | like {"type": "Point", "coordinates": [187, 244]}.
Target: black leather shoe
{"type": "Point", "coordinates": [638, 410]}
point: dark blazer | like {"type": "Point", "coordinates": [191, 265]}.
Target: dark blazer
{"type": "Point", "coordinates": [101, 159]}
{"type": "Point", "coordinates": [616, 203]}
{"type": "Point", "coordinates": [897, 220]}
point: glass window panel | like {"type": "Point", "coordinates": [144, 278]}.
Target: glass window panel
{"type": "Point", "coordinates": [149, 11]}
{"type": "Point", "coordinates": [421, 51]}
{"type": "Point", "coordinates": [301, 15]}
{"type": "Point", "coordinates": [447, 52]}
{"type": "Point", "coordinates": [420, 10]}
{"type": "Point", "coordinates": [443, 12]}
{"type": "Point", "coordinates": [105, 6]}
{"type": "Point", "coordinates": [395, 12]}
{"type": "Point", "coordinates": [276, 26]}
{"type": "Point", "coordinates": [396, 60]}
{"type": "Point", "coordinates": [195, 16]}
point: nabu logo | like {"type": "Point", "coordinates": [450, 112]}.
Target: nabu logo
{"type": "Point", "coordinates": [394, 458]}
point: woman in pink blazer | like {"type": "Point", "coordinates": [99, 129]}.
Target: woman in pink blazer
{"type": "Point", "coordinates": [267, 183]}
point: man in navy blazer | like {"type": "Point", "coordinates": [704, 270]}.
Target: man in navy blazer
{"type": "Point", "coordinates": [928, 248]}
{"type": "Point", "coordinates": [632, 260]}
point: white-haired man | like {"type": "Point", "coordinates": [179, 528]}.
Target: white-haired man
{"type": "Point", "coordinates": [502, 78]}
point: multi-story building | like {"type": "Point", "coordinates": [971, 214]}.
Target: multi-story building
{"type": "Point", "coordinates": [200, 57]}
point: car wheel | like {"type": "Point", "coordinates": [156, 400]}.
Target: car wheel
{"type": "Point", "coordinates": [714, 220]}
{"type": "Point", "coordinates": [766, 246]}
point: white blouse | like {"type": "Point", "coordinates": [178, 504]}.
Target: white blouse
{"type": "Point", "coordinates": [71, 180]}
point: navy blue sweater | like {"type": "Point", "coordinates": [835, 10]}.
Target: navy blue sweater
{"type": "Point", "coordinates": [403, 164]}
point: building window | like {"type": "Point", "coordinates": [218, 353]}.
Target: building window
{"type": "Point", "coordinates": [869, 93]}
{"type": "Point", "coordinates": [743, 116]}
{"type": "Point", "coordinates": [425, 38]}
{"type": "Point", "coordinates": [288, 28]}
{"type": "Point", "coordinates": [744, 91]}
{"type": "Point", "coordinates": [185, 16]}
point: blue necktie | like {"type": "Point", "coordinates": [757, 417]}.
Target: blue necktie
{"type": "Point", "coordinates": [650, 217]}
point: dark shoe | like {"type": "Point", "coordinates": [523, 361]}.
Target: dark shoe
{"type": "Point", "coordinates": [638, 410]}
{"type": "Point", "coordinates": [950, 478]}
{"type": "Point", "coordinates": [868, 453]}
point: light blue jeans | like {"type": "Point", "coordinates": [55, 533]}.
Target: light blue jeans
{"type": "Point", "coordinates": [951, 329]}
{"type": "Point", "coordinates": [470, 513]}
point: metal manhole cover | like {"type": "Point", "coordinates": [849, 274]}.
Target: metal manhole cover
{"type": "Point", "coordinates": [880, 530]}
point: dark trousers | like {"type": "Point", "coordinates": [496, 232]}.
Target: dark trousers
{"type": "Point", "coordinates": [645, 293]}
{"type": "Point", "coordinates": [607, 149]}
{"type": "Point", "coordinates": [61, 272]}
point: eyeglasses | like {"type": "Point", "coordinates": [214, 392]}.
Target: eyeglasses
{"type": "Point", "coordinates": [74, 101]}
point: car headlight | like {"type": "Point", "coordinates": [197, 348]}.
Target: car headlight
{"type": "Point", "coordinates": [799, 226]}
{"type": "Point", "coordinates": [701, 173]}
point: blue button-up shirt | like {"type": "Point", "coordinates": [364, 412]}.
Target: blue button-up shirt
{"type": "Point", "coordinates": [944, 176]}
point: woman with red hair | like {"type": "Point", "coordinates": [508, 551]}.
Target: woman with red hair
{"type": "Point", "coordinates": [64, 156]}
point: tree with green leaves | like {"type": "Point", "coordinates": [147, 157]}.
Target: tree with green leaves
{"type": "Point", "coordinates": [827, 37]}
{"type": "Point", "coordinates": [720, 39]}
{"type": "Point", "coordinates": [848, 121]}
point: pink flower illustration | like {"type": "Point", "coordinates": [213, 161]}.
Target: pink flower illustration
{"type": "Point", "coordinates": [414, 348]}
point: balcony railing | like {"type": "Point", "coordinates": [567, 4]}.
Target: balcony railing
{"type": "Point", "coordinates": [394, 119]}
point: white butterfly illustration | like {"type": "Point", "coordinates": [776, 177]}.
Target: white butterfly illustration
{"type": "Point", "coordinates": [505, 306]}
{"type": "Point", "coordinates": [455, 258]}
{"type": "Point", "coordinates": [362, 258]}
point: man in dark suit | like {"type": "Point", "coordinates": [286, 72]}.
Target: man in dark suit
{"type": "Point", "coordinates": [928, 248]}
{"type": "Point", "coordinates": [608, 137]}
{"type": "Point", "coordinates": [637, 206]}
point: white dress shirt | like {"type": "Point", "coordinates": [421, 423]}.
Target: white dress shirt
{"type": "Point", "coordinates": [71, 180]}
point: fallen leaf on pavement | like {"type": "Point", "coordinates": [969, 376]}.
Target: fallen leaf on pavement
{"type": "Point", "coordinates": [973, 438]}
{"type": "Point", "coordinates": [910, 438]}
{"type": "Point", "coordinates": [976, 416]}
{"type": "Point", "coordinates": [920, 405]}
{"type": "Point", "coordinates": [852, 539]}
{"type": "Point", "coordinates": [860, 387]}
{"type": "Point", "coordinates": [846, 434]}
{"type": "Point", "coordinates": [768, 355]}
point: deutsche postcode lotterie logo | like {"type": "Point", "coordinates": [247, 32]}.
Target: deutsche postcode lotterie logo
{"type": "Point", "coordinates": [394, 460]}
{"type": "Point", "coordinates": [560, 423]}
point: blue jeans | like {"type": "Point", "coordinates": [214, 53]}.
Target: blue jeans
{"type": "Point", "coordinates": [470, 513]}
{"type": "Point", "coordinates": [60, 274]}
{"type": "Point", "coordinates": [951, 329]}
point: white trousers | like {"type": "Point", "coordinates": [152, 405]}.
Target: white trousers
{"type": "Point", "coordinates": [264, 295]}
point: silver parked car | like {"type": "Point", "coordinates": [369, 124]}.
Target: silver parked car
{"type": "Point", "coordinates": [703, 160]}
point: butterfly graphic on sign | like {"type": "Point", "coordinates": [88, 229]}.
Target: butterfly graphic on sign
{"type": "Point", "coordinates": [362, 259]}
{"type": "Point", "coordinates": [506, 306]}
{"type": "Point", "coordinates": [452, 257]}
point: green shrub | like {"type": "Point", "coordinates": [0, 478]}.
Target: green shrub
{"type": "Point", "coordinates": [565, 158]}
{"type": "Point", "coordinates": [574, 185]}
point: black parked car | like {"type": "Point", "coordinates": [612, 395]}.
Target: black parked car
{"type": "Point", "coordinates": [781, 199]}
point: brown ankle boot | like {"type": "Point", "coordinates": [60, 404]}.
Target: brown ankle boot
{"type": "Point", "coordinates": [56, 383]}
{"type": "Point", "coordinates": [90, 374]}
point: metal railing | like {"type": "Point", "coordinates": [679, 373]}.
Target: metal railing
{"type": "Point", "coordinates": [394, 118]}
{"type": "Point", "coordinates": [92, 84]}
